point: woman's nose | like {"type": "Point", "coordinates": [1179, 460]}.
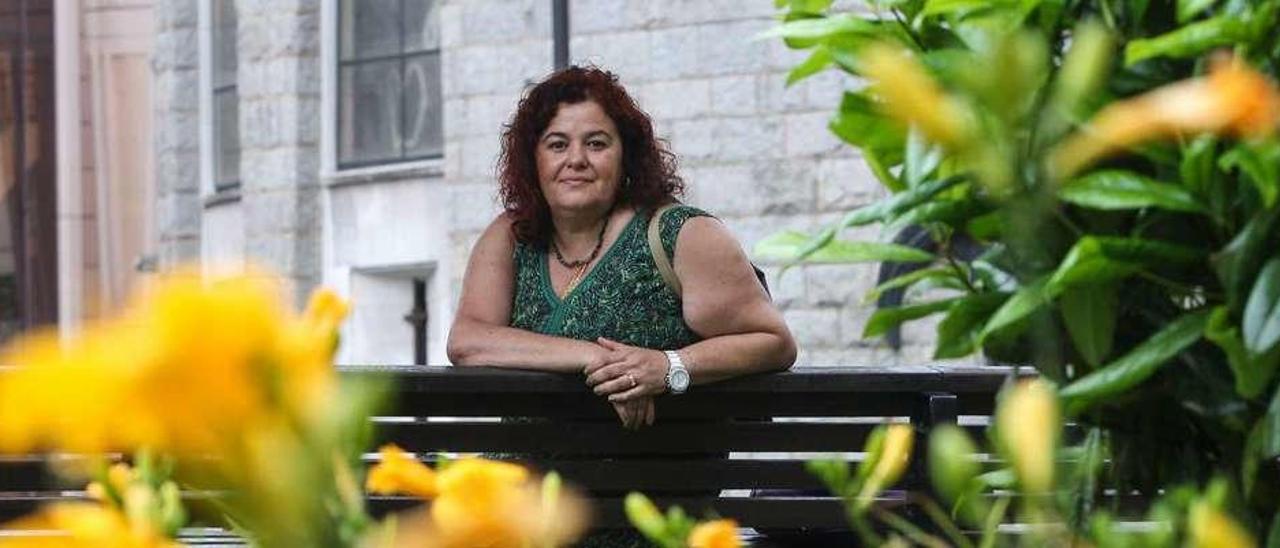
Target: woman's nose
{"type": "Point", "coordinates": [577, 156]}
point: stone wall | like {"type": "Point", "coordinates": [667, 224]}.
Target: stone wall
{"type": "Point", "coordinates": [176, 127]}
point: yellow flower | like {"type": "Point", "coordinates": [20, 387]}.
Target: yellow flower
{"type": "Point", "coordinates": [1028, 423]}
{"type": "Point", "coordinates": [85, 525]}
{"type": "Point", "coordinates": [722, 533]}
{"type": "Point", "coordinates": [913, 97]}
{"type": "Point", "coordinates": [400, 472]}
{"type": "Point", "coordinates": [895, 455]}
{"type": "Point", "coordinates": [185, 370]}
{"type": "Point", "coordinates": [1210, 528]}
{"type": "Point", "coordinates": [1233, 99]}
{"type": "Point", "coordinates": [483, 503]}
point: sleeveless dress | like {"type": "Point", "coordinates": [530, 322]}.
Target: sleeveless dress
{"type": "Point", "coordinates": [622, 298]}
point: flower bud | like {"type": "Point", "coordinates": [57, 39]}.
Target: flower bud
{"type": "Point", "coordinates": [1028, 423]}
{"type": "Point", "coordinates": [644, 515]}
{"type": "Point", "coordinates": [951, 464]}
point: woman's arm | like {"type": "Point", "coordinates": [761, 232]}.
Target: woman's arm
{"type": "Point", "coordinates": [480, 334]}
{"type": "Point", "coordinates": [723, 302]}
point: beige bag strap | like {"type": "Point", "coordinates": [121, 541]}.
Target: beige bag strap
{"type": "Point", "coordinates": [660, 255]}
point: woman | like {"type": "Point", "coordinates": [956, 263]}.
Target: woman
{"type": "Point", "coordinates": [564, 279]}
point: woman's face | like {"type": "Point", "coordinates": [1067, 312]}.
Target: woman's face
{"type": "Point", "coordinates": [579, 158]}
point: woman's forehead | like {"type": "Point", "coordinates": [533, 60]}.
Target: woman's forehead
{"type": "Point", "coordinates": [580, 118]}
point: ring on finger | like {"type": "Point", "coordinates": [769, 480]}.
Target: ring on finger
{"type": "Point", "coordinates": [633, 380]}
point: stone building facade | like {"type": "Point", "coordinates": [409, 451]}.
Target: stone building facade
{"type": "Point", "coordinates": [752, 150]}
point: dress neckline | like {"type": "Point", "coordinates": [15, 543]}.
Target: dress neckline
{"type": "Point", "coordinates": [589, 278]}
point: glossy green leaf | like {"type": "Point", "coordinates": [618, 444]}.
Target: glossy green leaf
{"type": "Point", "coordinates": [921, 158]}
{"type": "Point", "coordinates": [789, 245]}
{"type": "Point", "coordinates": [1089, 313]}
{"type": "Point", "coordinates": [897, 203]}
{"type": "Point", "coordinates": [1188, 40]}
{"type": "Point", "coordinates": [1100, 259]}
{"type": "Point", "coordinates": [1252, 457]}
{"type": "Point", "coordinates": [886, 318]}
{"type": "Point", "coordinates": [1260, 162]}
{"type": "Point", "coordinates": [1118, 189]}
{"type": "Point", "coordinates": [881, 171]}
{"type": "Point", "coordinates": [1273, 538]}
{"type": "Point", "coordinates": [1138, 364]}
{"type": "Point", "coordinates": [953, 7]}
{"type": "Point", "coordinates": [958, 332]}
{"type": "Point", "coordinates": [951, 212]}
{"type": "Point", "coordinates": [1197, 167]}
{"type": "Point", "coordinates": [1027, 300]}
{"type": "Point", "coordinates": [860, 123]}
{"type": "Point", "coordinates": [1261, 321]}
{"type": "Point", "coordinates": [807, 6]}
{"type": "Point", "coordinates": [1252, 372]}
{"type": "Point", "coordinates": [1242, 258]}
{"type": "Point", "coordinates": [1271, 438]}
{"type": "Point", "coordinates": [819, 60]}
{"type": "Point", "coordinates": [909, 279]}
{"type": "Point", "coordinates": [1188, 9]}
{"type": "Point", "coordinates": [821, 28]}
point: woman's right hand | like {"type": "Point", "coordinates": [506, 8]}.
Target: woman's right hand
{"type": "Point", "coordinates": [635, 413]}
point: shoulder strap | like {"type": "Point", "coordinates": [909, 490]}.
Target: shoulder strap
{"type": "Point", "coordinates": [659, 255]}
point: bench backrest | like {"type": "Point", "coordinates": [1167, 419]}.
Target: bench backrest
{"type": "Point", "coordinates": [736, 448]}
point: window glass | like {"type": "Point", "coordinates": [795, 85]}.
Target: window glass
{"type": "Point", "coordinates": [226, 99]}
{"type": "Point", "coordinates": [389, 100]}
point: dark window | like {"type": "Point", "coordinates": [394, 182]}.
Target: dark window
{"type": "Point", "coordinates": [226, 101]}
{"type": "Point", "coordinates": [390, 107]}
{"type": "Point", "coordinates": [28, 211]}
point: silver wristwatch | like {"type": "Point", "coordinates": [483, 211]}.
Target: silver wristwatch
{"type": "Point", "coordinates": [677, 375]}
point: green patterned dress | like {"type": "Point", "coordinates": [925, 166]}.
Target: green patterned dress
{"type": "Point", "coordinates": [622, 298]}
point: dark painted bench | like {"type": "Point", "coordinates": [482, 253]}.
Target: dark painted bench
{"type": "Point", "coordinates": [768, 424]}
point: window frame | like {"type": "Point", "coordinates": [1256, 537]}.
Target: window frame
{"type": "Point", "coordinates": [215, 191]}
{"type": "Point", "coordinates": [334, 152]}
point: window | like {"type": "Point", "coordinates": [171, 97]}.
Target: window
{"type": "Point", "coordinates": [389, 100]}
{"type": "Point", "coordinates": [226, 101]}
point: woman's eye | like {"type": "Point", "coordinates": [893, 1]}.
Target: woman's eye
{"type": "Point", "coordinates": [598, 145]}
{"type": "Point", "coordinates": [557, 145]}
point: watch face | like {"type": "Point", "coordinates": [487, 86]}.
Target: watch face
{"type": "Point", "coordinates": [679, 380]}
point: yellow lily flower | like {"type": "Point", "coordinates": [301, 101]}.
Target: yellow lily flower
{"type": "Point", "coordinates": [721, 533]}
{"type": "Point", "coordinates": [400, 472]}
{"type": "Point", "coordinates": [1210, 528]}
{"type": "Point", "coordinates": [894, 458]}
{"type": "Point", "coordinates": [1233, 99]}
{"type": "Point", "coordinates": [913, 97]}
{"type": "Point", "coordinates": [85, 525]}
{"type": "Point", "coordinates": [1028, 423]}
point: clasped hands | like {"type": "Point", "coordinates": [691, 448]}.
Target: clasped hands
{"type": "Point", "coordinates": [630, 377]}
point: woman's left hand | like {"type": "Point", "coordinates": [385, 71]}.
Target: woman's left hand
{"type": "Point", "coordinates": [628, 372]}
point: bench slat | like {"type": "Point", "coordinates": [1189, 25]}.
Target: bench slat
{"type": "Point", "coordinates": [670, 438]}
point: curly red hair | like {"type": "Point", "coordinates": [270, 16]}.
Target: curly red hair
{"type": "Point", "coordinates": [647, 164]}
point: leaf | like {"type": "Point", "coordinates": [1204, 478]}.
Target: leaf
{"type": "Point", "coordinates": [881, 171]}
{"type": "Point", "coordinates": [897, 203]}
{"type": "Point", "coordinates": [953, 7]}
{"type": "Point", "coordinates": [1118, 189]}
{"type": "Point", "coordinates": [909, 279]}
{"type": "Point", "coordinates": [958, 332]}
{"type": "Point", "coordinates": [1188, 40]}
{"type": "Point", "coordinates": [789, 245]}
{"type": "Point", "coordinates": [1190, 8]}
{"type": "Point", "coordinates": [1090, 315]}
{"type": "Point", "coordinates": [817, 61]}
{"type": "Point", "coordinates": [1026, 301]}
{"type": "Point", "coordinates": [1271, 438]}
{"type": "Point", "coordinates": [1261, 321]}
{"type": "Point", "coordinates": [951, 212]}
{"type": "Point", "coordinates": [885, 319]}
{"type": "Point", "coordinates": [1260, 162]}
{"type": "Point", "coordinates": [860, 123]}
{"type": "Point", "coordinates": [1196, 168]}
{"type": "Point", "coordinates": [1252, 372]}
{"type": "Point", "coordinates": [807, 6]}
{"type": "Point", "coordinates": [1138, 364]}
{"type": "Point", "coordinates": [808, 28]}
{"type": "Point", "coordinates": [921, 158]}
{"type": "Point", "coordinates": [1099, 259]}
{"type": "Point", "coordinates": [1238, 262]}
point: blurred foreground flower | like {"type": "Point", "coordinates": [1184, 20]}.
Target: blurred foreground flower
{"type": "Point", "coordinates": [82, 524]}
{"type": "Point", "coordinates": [185, 371]}
{"type": "Point", "coordinates": [1233, 99]}
{"type": "Point", "coordinates": [1028, 421]}
{"type": "Point", "coordinates": [477, 502]}
{"type": "Point", "coordinates": [1210, 528]}
{"type": "Point", "coordinates": [721, 533]}
{"type": "Point", "coordinates": [889, 454]}
{"type": "Point", "coordinates": [913, 97]}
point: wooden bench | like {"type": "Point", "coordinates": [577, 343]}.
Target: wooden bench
{"type": "Point", "coordinates": [768, 425]}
